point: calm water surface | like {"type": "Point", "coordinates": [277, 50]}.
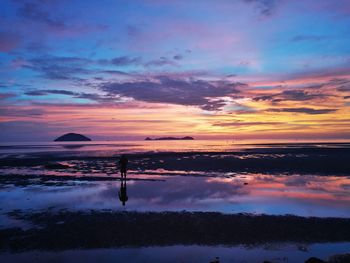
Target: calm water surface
{"type": "Point", "coordinates": [251, 193]}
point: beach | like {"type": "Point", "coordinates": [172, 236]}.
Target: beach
{"type": "Point", "coordinates": [281, 200]}
{"type": "Point", "coordinates": [175, 131]}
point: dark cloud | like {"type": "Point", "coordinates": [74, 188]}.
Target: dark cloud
{"type": "Point", "coordinates": [59, 68]}
{"type": "Point", "coordinates": [290, 95]}
{"type": "Point", "coordinates": [309, 38]}
{"type": "Point", "coordinates": [125, 61]}
{"type": "Point", "coordinates": [46, 92]}
{"type": "Point", "coordinates": [4, 96]}
{"type": "Point", "coordinates": [265, 7]}
{"type": "Point", "coordinates": [303, 110]}
{"type": "Point", "coordinates": [344, 88]}
{"type": "Point", "coordinates": [231, 75]}
{"type": "Point", "coordinates": [36, 93]}
{"type": "Point", "coordinates": [139, 61]}
{"type": "Point", "coordinates": [264, 98]}
{"type": "Point", "coordinates": [178, 57]}
{"type": "Point", "coordinates": [345, 186]}
{"type": "Point", "coordinates": [38, 11]}
{"type": "Point", "coordinates": [9, 41]}
{"type": "Point", "coordinates": [69, 67]}
{"type": "Point", "coordinates": [297, 181]}
{"type": "Point", "coordinates": [174, 91]}
{"type": "Point", "coordinates": [299, 95]}
{"type": "Point", "coordinates": [338, 81]}
{"type": "Point", "coordinates": [213, 105]}
{"type": "Point", "coordinates": [243, 124]}
{"type": "Point", "coordinates": [103, 99]}
{"type": "Point", "coordinates": [133, 31]}
{"type": "Point", "coordinates": [37, 47]}
{"type": "Point", "coordinates": [18, 112]}
{"type": "Point", "coordinates": [50, 17]}
{"type": "Point", "coordinates": [316, 86]}
{"type": "Point", "coordinates": [60, 60]}
{"type": "Point", "coordinates": [72, 68]}
{"type": "Point", "coordinates": [162, 61]}
{"type": "Point", "coordinates": [112, 72]}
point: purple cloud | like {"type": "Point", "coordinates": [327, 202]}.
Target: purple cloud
{"type": "Point", "coordinates": [290, 95]}
{"type": "Point", "coordinates": [102, 99]}
{"type": "Point", "coordinates": [175, 91]}
{"type": "Point", "coordinates": [178, 57]}
{"type": "Point", "coordinates": [46, 92]}
{"type": "Point", "coordinates": [344, 88]}
{"type": "Point", "coordinates": [4, 96]}
{"type": "Point", "coordinates": [303, 110]}
{"type": "Point", "coordinates": [126, 61]}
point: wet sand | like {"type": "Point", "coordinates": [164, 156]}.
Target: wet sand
{"type": "Point", "coordinates": [103, 229]}
{"type": "Point", "coordinates": [272, 160]}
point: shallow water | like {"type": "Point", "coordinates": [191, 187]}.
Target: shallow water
{"type": "Point", "coordinates": [186, 254]}
{"type": "Point", "coordinates": [235, 193]}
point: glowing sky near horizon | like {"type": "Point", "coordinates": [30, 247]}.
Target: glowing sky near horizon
{"type": "Point", "coordinates": [246, 69]}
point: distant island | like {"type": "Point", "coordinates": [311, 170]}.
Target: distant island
{"type": "Point", "coordinates": [72, 137]}
{"type": "Point", "coordinates": [169, 138]}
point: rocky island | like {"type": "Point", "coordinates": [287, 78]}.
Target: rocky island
{"type": "Point", "coordinates": [169, 138]}
{"type": "Point", "coordinates": [72, 137]}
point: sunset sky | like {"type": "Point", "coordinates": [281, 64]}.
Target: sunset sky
{"type": "Point", "coordinates": [233, 69]}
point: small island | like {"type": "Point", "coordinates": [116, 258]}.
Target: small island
{"type": "Point", "coordinates": [169, 138]}
{"type": "Point", "coordinates": [72, 137]}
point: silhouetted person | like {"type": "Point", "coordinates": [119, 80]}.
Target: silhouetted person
{"type": "Point", "coordinates": [123, 197]}
{"type": "Point", "coordinates": [123, 165]}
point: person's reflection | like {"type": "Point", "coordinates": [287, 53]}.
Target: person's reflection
{"type": "Point", "coordinates": [123, 197]}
